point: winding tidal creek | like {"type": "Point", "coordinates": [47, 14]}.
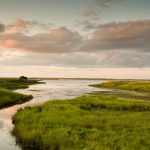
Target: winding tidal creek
{"type": "Point", "coordinates": [52, 89]}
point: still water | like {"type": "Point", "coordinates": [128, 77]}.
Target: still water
{"type": "Point", "coordinates": [52, 89]}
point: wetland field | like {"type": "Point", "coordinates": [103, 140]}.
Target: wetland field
{"type": "Point", "coordinates": [74, 114]}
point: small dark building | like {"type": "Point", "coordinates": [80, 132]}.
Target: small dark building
{"type": "Point", "coordinates": [23, 78]}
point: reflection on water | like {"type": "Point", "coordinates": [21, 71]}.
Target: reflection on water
{"type": "Point", "coordinates": [52, 89]}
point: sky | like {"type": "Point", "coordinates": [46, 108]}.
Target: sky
{"type": "Point", "coordinates": [72, 38]}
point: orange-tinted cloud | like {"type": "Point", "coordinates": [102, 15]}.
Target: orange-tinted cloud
{"type": "Point", "coordinates": [130, 35]}
{"type": "Point", "coordinates": [18, 26]}
{"type": "Point", "coordinates": [24, 26]}
{"type": "Point", "coordinates": [59, 40]}
{"type": "Point", "coordinates": [112, 44]}
{"type": "Point", "coordinates": [10, 43]}
{"type": "Point", "coordinates": [20, 22]}
{"type": "Point", "coordinates": [123, 30]}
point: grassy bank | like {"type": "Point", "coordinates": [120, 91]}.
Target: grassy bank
{"type": "Point", "coordinates": [13, 84]}
{"type": "Point", "coordinates": [9, 97]}
{"type": "Point", "coordinates": [140, 86]}
{"type": "Point", "coordinates": [85, 123]}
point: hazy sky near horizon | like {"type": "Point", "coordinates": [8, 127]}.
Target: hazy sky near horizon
{"type": "Point", "coordinates": [52, 36]}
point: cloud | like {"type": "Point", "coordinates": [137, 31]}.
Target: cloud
{"type": "Point", "coordinates": [80, 60]}
{"type": "Point", "coordinates": [92, 13]}
{"type": "Point", "coordinates": [18, 26]}
{"type": "Point", "coordinates": [95, 7]}
{"type": "Point", "coordinates": [24, 26]}
{"type": "Point", "coordinates": [116, 44]}
{"type": "Point", "coordinates": [59, 40]}
{"type": "Point", "coordinates": [2, 28]}
{"type": "Point", "coordinates": [86, 25]}
{"type": "Point", "coordinates": [123, 30]}
{"type": "Point", "coordinates": [130, 35]}
{"type": "Point", "coordinates": [9, 43]}
{"type": "Point", "coordinates": [125, 59]}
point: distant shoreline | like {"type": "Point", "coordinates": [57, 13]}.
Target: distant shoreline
{"type": "Point", "coordinates": [61, 78]}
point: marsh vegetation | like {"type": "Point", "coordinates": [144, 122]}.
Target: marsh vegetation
{"type": "Point", "coordinates": [140, 86]}
{"type": "Point", "coordinates": [9, 97]}
{"type": "Point", "coordinates": [14, 83]}
{"type": "Point", "coordinates": [93, 122]}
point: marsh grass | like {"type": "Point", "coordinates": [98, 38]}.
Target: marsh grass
{"type": "Point", "coordinates": [140, 86]}
{"type": "Point", "coordinates": [13, 84]}
{"type": "Point", "coordinates": [85, 123]}
{"type": "Point", "coordinates": [9, 98]}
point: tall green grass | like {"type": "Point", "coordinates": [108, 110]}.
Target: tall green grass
{"type": "Point", "coordinates": [9, 98]}
{"type": "Point", "coordinates": [85, 123]}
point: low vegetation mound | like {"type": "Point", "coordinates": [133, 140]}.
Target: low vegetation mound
{"type": "Point", "coordinates": [140, 86]}
{"type": "Point", "coordinates": [13, 84]}
{"type": "Point", "coordinates": [9, 98]}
